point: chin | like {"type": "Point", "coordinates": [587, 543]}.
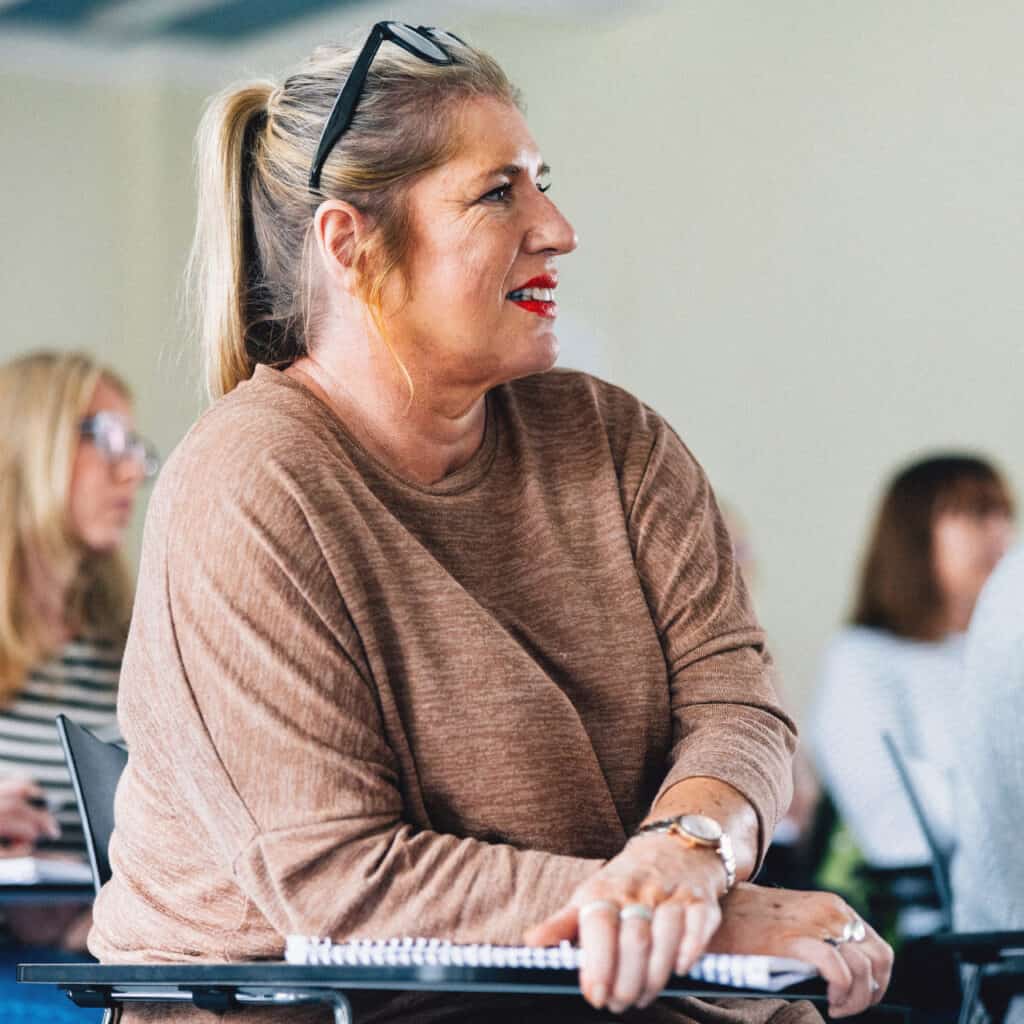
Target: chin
{"type": "Point", "coordinates": [542, 356]}
{"type": "Point", "coordinates": [104, 542]}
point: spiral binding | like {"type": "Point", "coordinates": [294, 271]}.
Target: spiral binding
{"type": "Point", "coordinates": [762, 972]}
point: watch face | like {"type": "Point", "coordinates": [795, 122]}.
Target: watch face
{"type": "Point", "coordinates": [701, 827]}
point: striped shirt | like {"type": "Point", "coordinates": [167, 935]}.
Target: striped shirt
{"type": "Point", "coordinates": [80, 682]}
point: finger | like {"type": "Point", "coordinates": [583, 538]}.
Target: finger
{"type": "Point", "coordinates": [859, 997]}
{"type": "Point", "coordinates": [879, 952]}
{"type": "Point", "coordinates": [702, 919]}
{"type": "Point", "coordinates": [16, 849]}
{"type": "Point", "coordinates": [667, 930]}
{"type": "Point", "coordinates": [28, 824]}
{"type": "Point", "coordinates": [831, 966]}
{"type": "Point", "coordinates": [560, 926]}
{"type": "Point", "coordinates": [24, 826]}
{"type": "Point", "coordinates": [599, 943]}
{"type": "Point", "coordinates": [631, 968]}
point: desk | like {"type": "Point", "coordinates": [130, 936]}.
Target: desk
{"type": "Point", "coordinates": [218, 987]}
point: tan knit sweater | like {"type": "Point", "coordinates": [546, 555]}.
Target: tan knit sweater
{"type": "Point", "coordinates": [358, 706]}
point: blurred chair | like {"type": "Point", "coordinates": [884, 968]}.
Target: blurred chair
{"type": "Point", "coordinates": [95, 767]}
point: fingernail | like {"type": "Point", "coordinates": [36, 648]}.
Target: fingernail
{"type": "Point", "coordinates": [599, 992]}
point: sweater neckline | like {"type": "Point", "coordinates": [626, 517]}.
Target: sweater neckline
{"type": "Point", "coordinates": [465, 478]}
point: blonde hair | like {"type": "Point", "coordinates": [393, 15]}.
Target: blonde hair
{"type": "Point", "coordinates": [250, 272]}
{"type": "Point", "coordinates": [43, 396]}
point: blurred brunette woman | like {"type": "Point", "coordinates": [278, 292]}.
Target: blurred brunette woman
{"type": "Point", "coordinates": [943, 524]}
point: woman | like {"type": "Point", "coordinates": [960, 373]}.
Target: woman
{"type": "Point", "coordinates": [425, 633]}
{"type": "Point", "coordinates": [943, 525]}
{"type": "Point", "coordinates": [70, 468]}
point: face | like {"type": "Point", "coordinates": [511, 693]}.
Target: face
{"type": "Point", "coordinates": [483, 253]}
{"type": "Point", "coordinates": [966, 548]}
{"type": "Point", "coordinates": [102, 493]}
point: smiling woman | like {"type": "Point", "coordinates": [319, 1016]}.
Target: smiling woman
{"type": "Point", "coordinates": [431, 638]}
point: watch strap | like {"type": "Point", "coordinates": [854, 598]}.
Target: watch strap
{"type": "Point", "coordinates": [722, 846]}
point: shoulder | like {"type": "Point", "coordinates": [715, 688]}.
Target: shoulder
{"type": "Point", "coordinates": [563, 396]}
{"type": "Point", "coordinates": [268, 431]}
{"type": "Point", "coordinates": [259, 461]}
{"type": "Point", "coordinates": [862, 653]}
{"type": "Point", "coordinates": [863, 642]}
{"type": "Point", "coordinates": [572, 408]}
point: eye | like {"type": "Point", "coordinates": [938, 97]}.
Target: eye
{"type": "Point", "coordinates": [501, 194]}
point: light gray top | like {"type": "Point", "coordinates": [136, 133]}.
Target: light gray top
{"type": "Point", "coordinates": [988, 870]}
{"type": "Point", "coordinates": [874, 681]}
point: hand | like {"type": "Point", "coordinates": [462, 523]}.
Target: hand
{"type": "Point", "coordinates": [22, 824]}
{"type": "Point", "coordinates": [627, 961]}
{"type": "Point", "coordinates": [783, 922]}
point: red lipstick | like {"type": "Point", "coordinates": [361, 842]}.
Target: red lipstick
{"type": "Point", "coordinates": [541, 305]}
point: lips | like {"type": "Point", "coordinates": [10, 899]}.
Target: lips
{"type": "Point", "coordinates": [537, 296]}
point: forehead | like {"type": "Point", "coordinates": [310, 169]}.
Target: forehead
{"type": "Point", "coordinates": [490, 134]}
{"type": "Point", "coordinates": [107, 398]}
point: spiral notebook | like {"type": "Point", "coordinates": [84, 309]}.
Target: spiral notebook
{"type": "Point", "coordinates": [767, 973]}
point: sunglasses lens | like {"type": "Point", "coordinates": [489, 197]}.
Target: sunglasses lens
{"type": "Point", "coordinates": [418, 42]}
{"type": "Point", "coordinates": [448, 38]}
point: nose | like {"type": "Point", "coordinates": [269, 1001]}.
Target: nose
{"type": "Point", "coordinates": [129, 470]}
{"type": "Point", "coordinates": [551, 232]}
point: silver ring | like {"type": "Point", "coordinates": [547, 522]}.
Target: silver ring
{"type": "Point", "coordinates": [638, 910]}
{"type": "Point", "coordinates": [873, 985]}
{"type": "Point", "coordinates": [594, 906]}
{"type": "Point", "coordinates": [853, 931]}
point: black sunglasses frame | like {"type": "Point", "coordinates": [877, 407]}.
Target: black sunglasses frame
{"type": "Point", "coordinates": [348, 99]}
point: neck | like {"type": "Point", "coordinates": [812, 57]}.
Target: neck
{"type": "Point", "coordinates": [423, 440]}
{"type": "Point", "coordinates": [956, 616]}
{"type": "Point", "coordinates": [48, 594]}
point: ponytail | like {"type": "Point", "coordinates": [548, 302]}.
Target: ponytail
{"type": "Point", "coordinates": [220, 264]}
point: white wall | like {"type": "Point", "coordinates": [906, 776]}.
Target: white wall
{"type": "Point", "coordinates": [801, 238]}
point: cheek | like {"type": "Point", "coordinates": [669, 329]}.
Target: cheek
{"type": "Point", "coordinates": [962, 552]}
{"type": "Point", "coordinates": [88, 479]}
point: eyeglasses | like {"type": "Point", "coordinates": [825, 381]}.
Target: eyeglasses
{"type": "Point", "coordinates": [115, 441]}
{"type": "Point", "coordinates": [424, 42]}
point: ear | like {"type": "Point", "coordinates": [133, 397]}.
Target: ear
{"type": "Point", "coordinates": [339, 229]}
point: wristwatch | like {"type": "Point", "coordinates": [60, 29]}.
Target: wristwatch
{"type": "Point", "coordinates": [698, 830]}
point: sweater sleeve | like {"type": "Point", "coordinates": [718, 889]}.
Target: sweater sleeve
{"type": "Point", "coordinates": [304, 798]}
{"type": "Point", "coordinates": [727, 721]}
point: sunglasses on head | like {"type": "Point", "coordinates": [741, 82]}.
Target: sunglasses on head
{"type": "Point", "coordinates": [424, 42]}
{"type": "Point", "coordinates": [114, 441]}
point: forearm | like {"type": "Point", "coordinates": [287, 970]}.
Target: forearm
{"type": "Point", "coordinates": [404, 882]}
{"type": "Point", "coordinates": [722, 802]}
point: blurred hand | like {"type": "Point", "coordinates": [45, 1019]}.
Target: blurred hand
{"type": "Point", "coordinates": [670, 895]}
{"type": "Point", "coordinates": [783, 922]}
{"type": "Point", "coordinates": [23, 824]}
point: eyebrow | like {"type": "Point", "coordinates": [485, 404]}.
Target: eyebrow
{"type": "Point", "coordinates": [513, 171]}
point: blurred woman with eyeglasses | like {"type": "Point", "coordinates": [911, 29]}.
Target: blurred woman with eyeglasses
{"type": "Point", "coordinates": [70, 468]}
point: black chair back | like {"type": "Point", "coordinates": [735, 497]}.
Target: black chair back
{"type": "Point", "coordinates": [939, 856]}
{"type": "Point", "coordinates": [95, 767]}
